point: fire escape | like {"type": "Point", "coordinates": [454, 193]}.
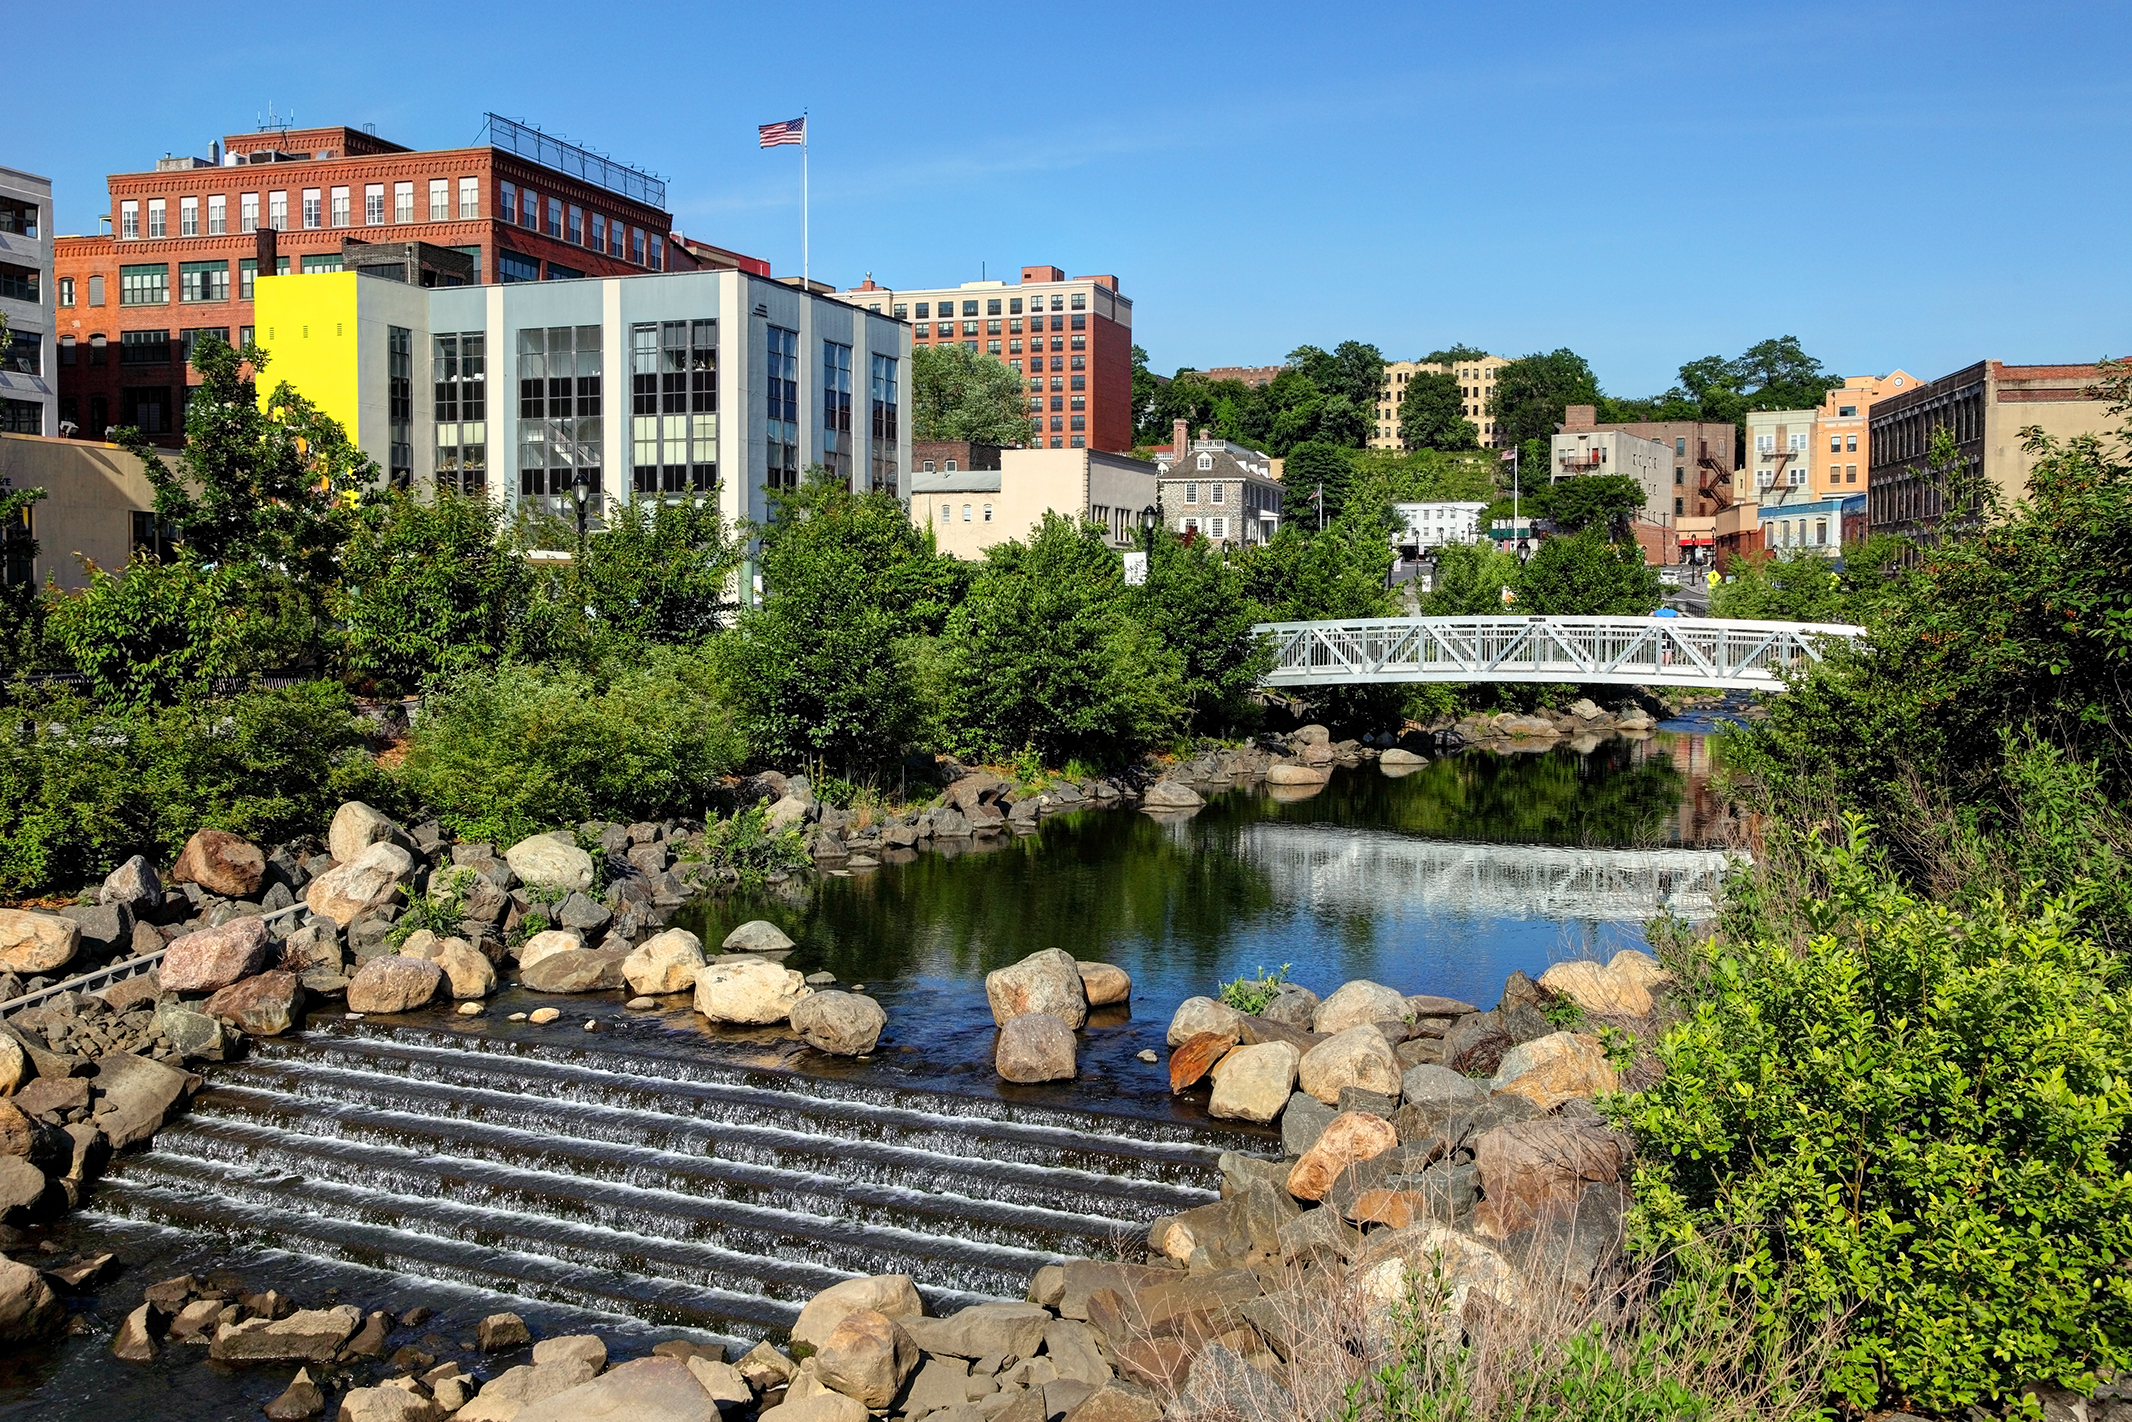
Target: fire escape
{"type": "Point", "coordinates": [1713, 472]}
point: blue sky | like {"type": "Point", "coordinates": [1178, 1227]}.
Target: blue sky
{"type": "Point", "coordinates": [1913, 186]}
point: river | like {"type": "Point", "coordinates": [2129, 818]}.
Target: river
{"type": "Point", "coordinates": [657, 1177]}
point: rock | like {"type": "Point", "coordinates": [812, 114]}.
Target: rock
{"type": "Point", "coordinates": [1553, 1069]}
{"type": "Point", "coordinates": [501, 1331]}
{"type": "Point", "coordinates": [137, 1093]}
{"type": "Point", "coordinates": [1429, 1082]}
{"type": "Point", "coordinates": [300, 1400]}
{"type": "Point", "coordinates": [1302, 1121]}
{"type": "Point", "coordinates": [824, 1407]}
{"type": "Point", "coordinates": [1104, 984]}
{"type": "Point", "coordinates": [939, 1382]}
{"type": "Point", "coordinates": [748, 991]}
{"type": "Point", "coordinates": [1255, 1082]}
{"type": "Point", "coordinates": [891, 1295]}
{"type": "Point", "coordinates": [1035, 1047]}
{"type": "Point", "coordinates": [1292, 1006]}
{"type": "Point", "coordinates": [386, 1404]}
{"type": "Point", "coordinates": [586, 1348]}
{"type": "Point", "coordinates": [1397, 757]}
{"type": "Point", "coordinates": [29, 1310]}
{"type": "Point", "coordinates": [213, 958]}
{"type": "Point", "coordinates": [1350, 1139]}
{"type": "Point", "coordinates": [845, 1024]}
{"type": "Point", "coordinates": [221, 863]}
{"type": "Point", "coordinates": [551, 940]}
{"type": "Point", "coordinates": [14, 1066]}
{"type": "Point", "coordinates": [1115, 1404]}
{"type": "Point", "coordinates": [362, 886]}
{"type": "Point", "coordinates": [643, 1390]}
{"type": "Point", "coordinates": [1595, 988]}
{"type": "Point", "coordinates": [867, 1357]}
{"type": "Point", "coordinates": [583, 914]}
{"type": "Point", "coordinates": [1386, 1276]}
{"type": "Point", "coordinates": [546, 862]}
{"type": "Point", "coordinates": [135, 1339]}
{"type": "Point", "coordinates": [194, 1035]}
{"type": "Point", "coordinates": [1220, 1382]}
{"type": "Point", "coordinates": [1203, 1014]}
{"type": "Point", "coordinates": [1442, 1192]}
{"type": "Point", "coordinates": [467, 970]}
{"type": "Point", "coordinates": [1195, 1057]}
{"type": "Point", "coordinates": [764, 1367]}
{"type": "Point", "coordinates": [664, 964]}
{"type": "Point", "coordinates": [757, 935]}
{"type": "Point", "coordinates": [312, 1335]}
{"type": "Point", "coordinates": [393, 984]}
{"type": "Point", "coordinates": [983, 1331]}
{"type": "Point", "coordinates": [541, 1016]}
{"type": "Point", "coordinates": [575, 970]}
{"type": "Point", "coordinates": [1047, 982]}
{"type": "Point", "coordinates": [1531, 1169]}
{"type": "Point", "coordinates": [1476, 1043]}
{"type": "Point", "coordinates": [1171, 795]}
{"type": "Point", "coordinates": [1290, 773]}
{"type": "Point", "coordinates": [519, 1388]}
{"type": "Point", "coordinates": [265, 1006]}
{"type": "Point", "coordinates": [1357, 1004]}
{"type": "Point", "coordinates": [1421, 1004]}
{"type": "Point", "coordinates": [134, 885]}
{"type": "Point", "coordinates": [36, 943]}
{"type": "Point", "coordinates": [355, 828]}
{"type": "Point", "coordinates": [23, 1188]}
{"type": "Point", "coordinates": [1358, 1056]}
{"type": "Point", "coordinates": [720, 1381]}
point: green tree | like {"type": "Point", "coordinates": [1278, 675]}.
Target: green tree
{"type": "Point", "coordinates": [1195, 603]}
{"type": "Point", "coordinates": [1044, 653]}
{"type": "Point", "coordinates": [1315, 468]}
{"type": "Point", "coordinates": [1433, 414]}
{"type": "Point", "coordinates": [1603, 501]}
{"type": "Point", "coordinates": [1470, 579]}
{"type": "Point", "coordinates": [958, 394]}
{"type": "Point", "coordinates": [1793, 586]}
{"type": "Point", "coordinates": [1353, 370]}
{"type": "Point", "coordinates": [1531, 392]}
{"type": "Point", "coordinates": [660, 571]}
{"type": "Point", "coordinates": [156, 633]}
{"type": "Point", "coordinates": [1148, 426]}
{"type": "Point", "coordinates": [1453, 355]}
{"type": "Point", "coordinates": [428, 589]}
{"type": "Point", "coordinates": [1585, 575]}
{"type": "Point", "coordinates": [21, 607]}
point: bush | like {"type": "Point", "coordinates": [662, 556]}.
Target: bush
{"type": "Point", "coordinates": [743, 844]}
{"type": "Point", "coordinates": [502, 754]}
{"type": "Point", "coordinates": [162, 631]}
{"type": "Point", "coordinates": [82, 788]}
{"type": "Point", "coordinates": [428, 589]}
{"type": "Point", "coordinates": [1255, 995]}
{"type": "Point", "coordinates": [1583, 575]}
{"type": "Point", "coordinates": [1918, 1114]}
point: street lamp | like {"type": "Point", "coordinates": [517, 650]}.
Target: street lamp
{"type": "Point", "coordinates": [1149, 518]}
{"type": "Point", "coordinates": [580, 491]}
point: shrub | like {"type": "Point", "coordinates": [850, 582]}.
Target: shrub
{"type": "Point", "coordinates": [161, 631]}
{"type": "Point", "coordinates": [502, 754]}
{"type": "Point", "coordinates": [1254, 995]}
{"type": "Point", "coordinates": [1919, 1114]}
{"type": "Point", "coordinates": [744, 844]}
{"type": "Point", "coordinates": [428, 589]}
{"type": "Point", "coordinates": [83, 788]}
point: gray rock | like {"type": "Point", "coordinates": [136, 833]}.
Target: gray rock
{"type": "Point", "coordinates": [133, 885]}
{"type": "Point", "coordinates": [1354, 1098]}
{"type": "Point", "coordinates": [311, 1335]}
{"type": "Point", "coordinates": [842, 1023]}
{"type": "Point", "coordinates": [1221, 1383]}
{"type": "Point", "coordinates": [390, 983]}
{"type": "Point", "coordinates": [106, 929]}
{"type": "Point", "coordinates": [1440, 1083]}
{"type": "Point", "coordinates": [575, 970]}
{"type": "Point", "coordinates": [551, 862]}
{"type": "Point", "coordinates": [501, 1331]}
{"type": "Point", "coordinates": [1035, 1047]}
{"type": "Point", "coordinates": [581, 913]}
{"type": "Point", "coordinates": [137, 1093]}
{"type": "Point", "coordinates": [195, 1035]}
{"type": "Point", "coordinates": [757, 936]}
{"type": "Point", "coordinates": [982, 1330]}
{"type": "Point", "coordinates": [1044, 982]}
{"type": "Point", "coordinates": [1292, 1006]}
{"type": "Point", "coordinates": [1304, 1120]}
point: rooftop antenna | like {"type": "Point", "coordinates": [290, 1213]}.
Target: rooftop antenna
{"type": "Point", "coordinates": [274, 123]}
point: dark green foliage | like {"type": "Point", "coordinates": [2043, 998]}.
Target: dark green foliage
{"type": "Point", "coordinates": [21, 609]}
{"type": "Point", "coordinates": [959, 394]}
{"type": "Point", "coordinates": [161, 631]}
{"type": "Point", "coordinates": [1433, 413]}
{"type": "Point", "coordinates": [504, 753]}
{"type": "Point", "coordinates": [743, 844]}
{"type": "Point", "coordinates": [1195, 604]}
{"type": "Point", "coordinates": [1315, 471]}
{"type": "Point", "coordinates": [1470, 580]}
{"type": "Point", "coordinates": [1327, 397]}
{"type": "Point", "coordinates": [84, 787]}
{"type": "Point", "coordinates": [1584, 575]}
{"type": "Point", "coordinates": [1297, 576]}
{"type": "Point", "coordinates": [1606, 502]}
{"type": "Point", "coordinates": [1453, 355]}
{"type": "Point", "coordinates": [1352, 370]}
{"type": "Point", "coordinates": [1532, 391]}
{"type": "Point", "coordinates": [1789, 587]}
{"type": "Point", "coordinates": [1045, 653]}
{"type": "Point", "coordinates": [658, 572]}
{"type": "Point", "coordinates": [428, 589]}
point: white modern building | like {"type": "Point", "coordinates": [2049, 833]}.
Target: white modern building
{"type": "Point", "coordinates": [29, 379]}
{"type": "Point", "coordinates": [1580, 453]}
{"type": "Point", "coordinates": [1432, 524]}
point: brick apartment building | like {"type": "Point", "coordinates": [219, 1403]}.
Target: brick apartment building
{"type": "Point", "coordinates": [1704, 459]}
{"type": "Point", "coordinates": [1071, 340]}
{"type": "Point", "coordinates": [182, 248]}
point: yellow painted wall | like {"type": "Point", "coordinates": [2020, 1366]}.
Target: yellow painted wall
{"type": "Point", "coordinates": [306, 323]}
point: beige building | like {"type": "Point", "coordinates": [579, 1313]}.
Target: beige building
{"type": "Point", "coordinates": [1476, 382]}
{"type": "Point", "coordinates": [1842, 452]}
{"type": "Point", "coordinates": [1575, 453]}
{"type": "Point", "coordinates": [98, 506]}
{"type": "Point", "coordinates": [969, 510]}
{"type": "Point", "coordinates": [1780, 448]}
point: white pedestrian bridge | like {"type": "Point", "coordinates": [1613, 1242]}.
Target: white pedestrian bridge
{"type": "Point", "coordinates": [1714, 653]}
{"type": "Point", "coordinates": [1365, 872]}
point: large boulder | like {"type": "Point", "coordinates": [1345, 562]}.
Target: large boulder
{"type": "Point", "coordinates": [1475, 1044]}
{"type": "Point", "coordinates": [664, 964]}
{"type": "Point", "coordinates": [1103, 983]}
{"type": "Point", "coordinates": [1443, 1263]}
{"type": "Point", "coordinates": [1293, 1005]}
{"type": "Point", "coordinates": [1046, 982]}
{"type": "Point", "coordinates": [465, 967]}
{"type": "Point", "coordinates": [642, 1390]}
{"type": "Point", "coordinates": [133, 886]}
{"type": "Point", "coordinates": [757, 935]}
{"type": "Point", "coordinates": [137, 1094]}
{"type": "Point", "coordinates": [748, 991]}
{"type": "Point", "coordinates": [221, 863]}
{"type": "Point", "coordinates": [826, 1406]}
{"type": "Point", "coordinates": [549, 861]}
{"type": "Point", "coordinates": [1035, 1047]}
{"type": "Point", "coordinates": [866, 1357]}
{"type": "Point", "coordinates": [356, 826]}
{"type": "Point", "coordinates": [14, 1065]}
{"type": "Point", "coordinates": [308, 1335]}
{"type": "Point", "coordinates": [1357, 1057]}
{"type": "Point", "coordinates": [1203, 1014]}
{"type": "Point", "coordinates": [575, 970]}
{"type": "Point", "coordinates": [1255, 1082]}
{"type": "Point", "coordinates": [983, 1331]}
{"type": "Point", "coordinates": [1353, 1137]}
{"type": "Point", "coordinates": [1171, 795]}
{"type": "Point", "coordinates": [387, 1404]}
{"type": "Point", "coordinates": [548, 940]}
{"type": "Point", "coordinates": [393, 984]}
{"type": "Point", "coordinates": [29, 1310]}
{"type": "Point", "coordinates": [846, 1024]}
{"type": "Point", "coordinates": [264, 1006]}
{"type": "Point", "coordinates": [1530, 1170]}
{"type": "Point", "coordinates": [509, 1394]}
{"type": "Point", "coordinates": [192, 1034]}
{"type": "Point", "coordinates": [1432, 1083]}
{"type": "Point", "coordinates": [1195, 1057]}
{"type": "Point", "coordinates": [364, 885]}
{"type": "Point", "coordinates": [36, 943]}
{"type": "Point", "coordinates": [891, 1294]}
{"type": "Point", "coordinates": [1357, 1004]}
{"type": "Point", "coordinates": [213, 958]}
{"type": "Point", "coordinates": [1292, 773]}
{"type": "Point", "coordinates": [1550, 1070]}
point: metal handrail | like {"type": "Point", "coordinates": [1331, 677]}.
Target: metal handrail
{"type": "Point", "coordinates": [113, 972]}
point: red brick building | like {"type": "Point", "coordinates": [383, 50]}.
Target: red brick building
{"type": "Point", "coordinates": [181, 250]}
{"type": "Point", "coordinates": [1071, 340]}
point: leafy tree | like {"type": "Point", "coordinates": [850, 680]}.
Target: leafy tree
{"type": "Point", "coordinates": [160, 632]}
{"type": "Point", "coordinates": [1195, 603]}
{"type": "Point", "coordinates": [429, 589]}
{"type": "Point", "coordinates": [1584, 575]}
{"type": "Point", "coordinates": [1531, 392]}
{"type": "Point", "coordinates": [1299, 576]}
{"type": "Point", "coordinates": [1793, 586]}
{"type": "Point", "coordinates": [1313, 468]}
{"type": "Point", "coordinates": [1433, 414]}
{"type": "Point", "coordinates": [1045, 654]}
{"type": "Point", "coordinates": [1148, 425]}
{"type": "Point", "coordinates": [959, 394]}
{"type": "Point", "coordinates": [21, 609]}
{"type": "Point", "coordinates": [1422, 474]}
{"type": "Point", "coordinates": [1453, 355]}
{"type": "Point", "coordinates": [660, 572]}
{"type": "Point", "coordinates": [1470, 579]}
{"type": "Point", "coordinates": [1353, 370]}
{"type": "Point", "coordinates": [1603, 501]}
{"type": "Point", "coordinates": [819, 669]}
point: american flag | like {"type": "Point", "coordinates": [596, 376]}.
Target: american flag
{"type": "Point", "coordinates": [790, 131]}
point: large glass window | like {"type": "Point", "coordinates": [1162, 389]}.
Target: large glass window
{"type": "Point", "coordinates": [559, 434]}
{"type": "Point", "coordinates": [673, 407]}
{"type": "Point", "coordinates": [203, 281]}
{"type": "Point", "coordinates": [555, 217]}
{"type": "Point", "coordinates": [881, 393]}
{"type": "Point", "coordinates": [218, 216]}
{"type": "Point", "coordinates": [400, 402]}
{"type": "Point", "coordinates": [836, 409]}
{"type": "Point", "coordinates": [190, 337]}
{"type": "Point", "coordinates": [469, 199]}
{"type": "Point", "coordinates": [23, 354]}
{"type": "Point", "coordinates": [248, 270]}
{"type": "Point", "coordinates": [321, 262]}
{"type": "Point", "coordinates": [514, 266]}
{"type": "Point", "coordinates": [144, 285]}
{"type": "Point", "coordinates": [23, 284]}
{"type": "Point", "coordinates": [144, 348]}
{"type": "Point", "coordinates": [18, 218]}
{"type": "Point", "coordinates": [783, 437]}
{"type": "Point", "coordinates": [459, 370]}
{"type": "Point", "coordinates": [146, 408]}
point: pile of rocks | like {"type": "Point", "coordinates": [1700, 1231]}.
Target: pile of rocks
{"type": "Point", "coordinates": [975, 804]}
{"type": "Point", "coordinates": [1583, 724]}
{"type": "Point", "coordinates": [1039, 1003]}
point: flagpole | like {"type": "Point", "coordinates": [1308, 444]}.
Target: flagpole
{"type": "Point", "coordinates": [805, 283]}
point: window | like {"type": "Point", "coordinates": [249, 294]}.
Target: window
{"type": "Point", "coordinates": [1835, 473]}
{"type": "Point", "coordinates": [1206, 461]}
{"type": "Point", "coordinates": [314, 213]}
{"type": "Point", "coordinates": [658, 254]}
{"type": "Point", "coordinates": [1850, 444]}
{"type": "Point", "coordinates": [1079, 422]}
{"type": "Point", "coordinates": [529, 210]}
{"type": "Point", "coordinates": [1216, 527]}
{"type": "Point", "coordinates": [400, 404]}
{"type": "Point", "coordinates": [440, 200]}
{"type": "Point", "coordinates": [66, 291]}
{"type": "Point", "coordinates": [156, 227]}
{"type": "Point", "coordinates": [900, 310]}
{"type": "Point", "coordinates": [315, 262]}
{"type": "Point", "coordinates": [146, 408]}
{"type": "Point", "coordinates": [559, 424]}
{"type": "Point", "coordinates": [129, 220]}
{"type": "Point", "coordinates": [881, 394]}
{"type": "Point", "coordinates": [507, 200]}
{"type": "Point", "coordinates": [1850, 411]}
{"type": "Point", "coordinates": [1078, 382]}
{"type": "Point", "coordinates": [965, 513]}
{"type": "Point", "coordinates": [599, 233]}
{"type": "Point", "coordinates": [1821, 533]}
{"type": "Point", "coordinates": [144, 348]}
{"type": "Point", "coordinates": [513, 266]}
{"type": "Point", "coordinates": [992, 348]}
{"type": "Point", "coordinates": [21, 283]}
{"type": "Point", "coordinates": [96, 290]}
{"type": "Point", "coordinates": [1835, 444]}
{"type": "Point", "coordinates": [1765, 444]}
{"type": "Point", "coordinates": [836, 409]}
{"type": "Point", "coordinates": [23, 354]}
{"type": "Point", "coordinates": [558, 272]}
{"type": "Point", "coordinates": [988, 513]}
{"type": "Point", "coordinates": [374, 205]}
{"type": "Point", "coordinates": [203, 281]}
{"type": "Point", "coordinates": [1795, 476]}
{"type": "Point", "coordinates": [469, 199]}
{"type": "Point", "coordinates": [1680, 475]}
{"type": "Point", "coordinates": [144, 285]}
{"type": "Point", "coordinates": [923, 310]}
{"type": "Point", "coordinates": [1220, 493]}
{"type": "Point", "coordinates": [1191, 493]}
{"type": "Point", "coordinates": [783, 409]}
{"type": "Point", "coordinates": [403, 202]}
{"type": "Point", "coordinates": [1080, 323]}
{"type": "Point", "coordinates": [1080, 343]}
{"type": "Point", "coordinates": [96, 350]}
{"type": "Point", "coordinates": [341, 216]}
{"type": "Point", "coordinates": [1014, 347]}
{"type": "Point", "coordinates": [18, 218]}
{"type": "Point", "coordinates": [1680, 445]}
{"type": "Point", "coordinates": [1795, 444]}
{"type": "Point", "coordinates": [278, 211]}
{"type": "Point", "coordinates": [636, 245]}
{"type": "Point", "coordinates": [458, 369]}
{"type": "Point", "coordinates": [1680, 506]}
{"type": "Point", "coordinates": [217, 216]}
{"type": "Point", "coordinates": [555, 217]}
{"type": "Point", "coordinates": [969, 308]}
{"type": "Point", "coordinates": [947, 511]}
{"type": "Point", "coordinates": [188, 217]}
{"type": "Point", "coordinates": [190, 337]}
{"type": "Point", "coordinates": [1850, 473]}
{"type": "Point", "coordinates": [156, 539]}
{"type": "Point", "coordinates": [248, 212]}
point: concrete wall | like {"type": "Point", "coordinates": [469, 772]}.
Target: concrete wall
{"type": "Point", "coordinates": [94, 490]}
{"type": "Point", "coordinates": [1078, 483]}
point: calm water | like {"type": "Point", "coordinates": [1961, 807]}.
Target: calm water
{"type": "Point", "coordinates": [1442, 881]}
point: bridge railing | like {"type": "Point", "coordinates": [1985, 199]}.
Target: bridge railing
{"type": "Point", "coordinates": [1723, 654]}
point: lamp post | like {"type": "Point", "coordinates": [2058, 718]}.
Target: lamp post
{"type": "Point", "coordinates": [580, 491]}
{"type": "Point", "coordinates": [1149, 517]}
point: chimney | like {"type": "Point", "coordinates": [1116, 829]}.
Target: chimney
{"type": "Point", "coordinates": [269, 250]}
{"type": "Point", "coordinates": [1179, 444]}
{"type": "Point", "coordinates": [1579, 417]}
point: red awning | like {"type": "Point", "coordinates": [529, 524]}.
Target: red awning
{"type": "Point", "coordinates": [1696, 540]}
